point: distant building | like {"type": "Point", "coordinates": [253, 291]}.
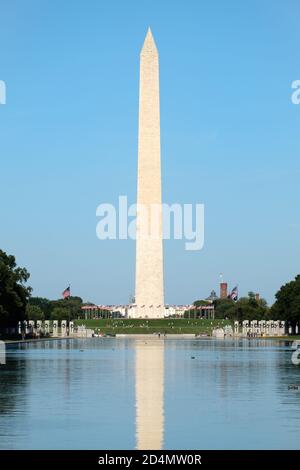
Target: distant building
{"type": "Point", "coordinates": [223, 290]}
{"type": "Point", "coordinates": [212, 297]}
{"type": "Point", "coordinates": [175, 310]}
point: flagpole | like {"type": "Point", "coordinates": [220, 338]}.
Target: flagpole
{"type": "Point", "coordinates": [69, 306]}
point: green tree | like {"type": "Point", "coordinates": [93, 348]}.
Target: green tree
{"type": "Point", "coordinates": [71, 305]}
{"type": "Point", "coordinates": [246, 308]}
{"type": "Point", "coordinates": [223, 308]}
{"type": "Point", "coordinates": [14, 293]}
{"type": "Point", "coordinates": [33, 312]}
{"type": "Point", "coordinates": [287, 304]}
{"type": "Point", "coordinates": [44, 304]}
{"type": "Point", "coordinates": [59, 313]}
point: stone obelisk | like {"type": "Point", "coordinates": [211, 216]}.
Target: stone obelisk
{"type": "Point", "coordinates": [149, 284]}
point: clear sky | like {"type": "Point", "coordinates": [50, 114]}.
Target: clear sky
{"type": "Point", "coordinates": [230, 139]}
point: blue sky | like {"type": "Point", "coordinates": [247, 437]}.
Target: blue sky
{"type": "Point", "coordinates": [230, 140]}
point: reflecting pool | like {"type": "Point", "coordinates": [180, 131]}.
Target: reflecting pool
{"type": "Point", "coordinates": [150, 393]}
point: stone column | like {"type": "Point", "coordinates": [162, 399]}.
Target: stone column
{"type": "Point", "coordinates": [47, 327]}
{"type": "Point", "coordinates": [63, 327]}
{"type": "Point", "coordinates": [31, 326]}
{"type": "Point", "coordinates": [55, 328]}
{"type": "Point", "coordinates": [38, 327]}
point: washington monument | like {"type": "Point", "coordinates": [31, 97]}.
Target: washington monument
{"type": "Point", "coordinates": [149, 283]}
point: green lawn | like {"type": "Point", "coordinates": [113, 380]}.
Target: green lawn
{"type": "Point", "coordinates": [285, 338]}
{"type": "Point", "coordinates": [139, 326]}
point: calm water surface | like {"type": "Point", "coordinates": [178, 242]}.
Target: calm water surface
{"type": "Point", "coordinates": [107, 393]}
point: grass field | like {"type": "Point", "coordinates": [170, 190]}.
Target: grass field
{"type": "Point", "coordinates": [285, 338]}
{"type": "Point", "coordinates": [165, 325]}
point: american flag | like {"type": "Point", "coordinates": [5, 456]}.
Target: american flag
{"type": "Point", "coordinates": [234, 293]}
{"type": "Point", "coordinates": [66, 293]}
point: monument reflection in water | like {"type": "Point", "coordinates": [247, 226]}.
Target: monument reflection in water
{"type": "Point", "coordinates": [149, 392]}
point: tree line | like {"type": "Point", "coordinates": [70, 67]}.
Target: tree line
{"type": "Point", "coordinates": [246, 308]}
{"type": "Point", "coordinates": [286, 306]}
{"type": "Point", "coordinates": [17, 303]}
{"type": "Point", "coordinates": [39, 308]}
